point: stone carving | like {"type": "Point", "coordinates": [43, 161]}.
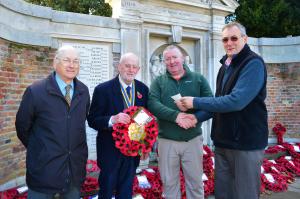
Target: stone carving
{"type": "Point", "coordinates": [94, 69]}
{"type": "Point", "coordinates": [176, 34]}
{"type": "Point", "coordinates": [157, 66]}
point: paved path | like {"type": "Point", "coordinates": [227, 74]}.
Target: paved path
{"type": "Point", "coordinates": [293, 192]}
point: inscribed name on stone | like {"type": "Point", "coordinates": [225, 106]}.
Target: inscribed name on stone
{"type": "Point", "coordinates": [94, 69]}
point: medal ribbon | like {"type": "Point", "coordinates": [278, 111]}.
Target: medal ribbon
{"type": "Point", "coordinates": [129, 100]}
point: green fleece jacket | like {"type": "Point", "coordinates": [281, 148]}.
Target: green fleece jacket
{"type": "Point", "coordinates": [163, 107]}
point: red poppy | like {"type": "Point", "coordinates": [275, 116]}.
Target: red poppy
{"type": "Point", "coordinates": [139, 95]}
{"type": "Point", "coordinates": [131, 147]}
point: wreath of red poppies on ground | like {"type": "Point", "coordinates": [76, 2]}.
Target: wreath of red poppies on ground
{"type": "Point", "coordinates": [275, 149]}
{"type": "Point", "coordinates": [279, 184]}
{"type": "Point", "coordinates": [123, 134]}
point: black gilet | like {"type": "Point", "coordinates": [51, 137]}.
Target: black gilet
{"type": "Point", "coordinates": [246, 129]}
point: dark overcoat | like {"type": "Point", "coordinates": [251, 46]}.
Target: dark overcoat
{"type": "Point", "coordinates": [54, 135]}
{"type": "Point", "coordinates": [107, 101]}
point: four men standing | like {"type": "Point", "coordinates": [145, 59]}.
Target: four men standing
{"type": "Point", "coordinates": [51, 124]}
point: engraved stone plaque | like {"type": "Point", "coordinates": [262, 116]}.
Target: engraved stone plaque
{"type": "Point", "coordinates": [94, 69]}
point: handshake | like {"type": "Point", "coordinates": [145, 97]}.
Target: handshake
{"type": "Point", "coordinates": [185, 120]}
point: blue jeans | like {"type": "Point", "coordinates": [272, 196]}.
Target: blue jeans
{"type": "Point", "coordinates": [73, 193]}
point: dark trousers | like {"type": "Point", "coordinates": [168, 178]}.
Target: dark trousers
{"type": "Point", "coordinates": [118, 180]}
{"type": "Point", "coordinates": [237, 173]}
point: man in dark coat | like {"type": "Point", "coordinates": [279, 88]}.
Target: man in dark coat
{"type": "Point", "coordinates": [109, 100]}
{"type": "Point", "coordinates": [51, 124]}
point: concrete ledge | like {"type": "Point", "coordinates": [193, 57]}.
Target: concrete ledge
{"type": "Point", "coordinates": [284, 41]}
{"type": "Point", "coordinates": [30, 24]}
{"type": "Point", "coordinates": [290, 140]}
{"type": "Point", "coordinates": [84, 19]}
{"type": "Point", "coordinates": [277, 50]}
{"type": "Point", "coordinates": [24, 37]}
{"type": "Point", "coordinates": [27, 8]}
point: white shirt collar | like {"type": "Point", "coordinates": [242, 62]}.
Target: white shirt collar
{"type": "Point", "coordinates": [123, 84]}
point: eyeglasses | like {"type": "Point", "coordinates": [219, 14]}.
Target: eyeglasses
{"type": "Point", "coordinates": [233, 38]}
{"type": "Point", "coordinates": [67, 61]}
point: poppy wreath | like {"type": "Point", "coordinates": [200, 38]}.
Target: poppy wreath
{"type": "Point", "coordinates": [279, 130]}
{"type": "Point", "coordinates": [262, 186]}
{"type": "Point", "coordinates": [156, 185]}
{"type": "Point", "coordinates": [90, 186]}
{"type": "Point", "coordinates": [125, 134]}
{"type": "Point", "coordinates": [273, 168]}
{"type": "Point", "coordinates": [279, 185]}
{"type": "Point", "coordinates": [12, 194]}
{"type": "Point", "coordinates": [208, 153]}
{"type": "Point", "coordinates": [209, 187]}
{"type": "Point", "coordinates": [208, 167]}
{"type": "Point", "coordinates": [91, 166]}
{"type": "Point", "coordinates": [290, 148]}
{"type": "Point", "coordinates": [292, 164]}
{"type": "Point", "coordinates": [275, 149]}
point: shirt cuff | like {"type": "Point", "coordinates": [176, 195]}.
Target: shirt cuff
{"type": "Point", "coordinates": [110, 124]}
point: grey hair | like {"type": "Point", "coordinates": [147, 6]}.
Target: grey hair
{"type": "Point", "coordinates": [238, 25]}
{"type": "Point", "coordinates": [171, 47]}
{"type": "Point", "coordinates": [62, 50]}
{"type": "Point", "coordinates": [126, 55]}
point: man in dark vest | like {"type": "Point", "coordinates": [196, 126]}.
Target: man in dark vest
{"type": "Point", "coordinates": [240, 121]}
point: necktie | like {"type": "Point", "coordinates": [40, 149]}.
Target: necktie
{"type": "Point", "coordinates": [67, 96]}
{"type": "Point", "coordinates": [128, 91]}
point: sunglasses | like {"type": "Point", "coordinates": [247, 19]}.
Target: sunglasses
{"type": "Point", "coordinates": [233, 38]}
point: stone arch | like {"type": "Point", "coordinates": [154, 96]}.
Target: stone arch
{"type": "Point", "coordinates": [156, 62]}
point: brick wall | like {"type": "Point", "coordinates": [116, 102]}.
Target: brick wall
{"type": "Point", "coordinates": [20, 65]}
{"type": "Point", "coordinates": [283, 100]}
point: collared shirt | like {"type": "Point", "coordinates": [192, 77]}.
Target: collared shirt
{"type": "Point", "coordinates": [62, 85]}
{"type": "Point", "coordinates": [123, 84]}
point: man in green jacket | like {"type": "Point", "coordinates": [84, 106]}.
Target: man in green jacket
{"type": "Point", "coordinates": [180, 136]}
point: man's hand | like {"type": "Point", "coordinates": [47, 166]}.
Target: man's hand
{"type": "Point", "coordinates": [187, 102]}
{"type": "Point", "coordinates": [120, 118]}
{"type": "Point", "coordinates": [186, 121]}
{"type": "Point", "coordinates": [180, 106]}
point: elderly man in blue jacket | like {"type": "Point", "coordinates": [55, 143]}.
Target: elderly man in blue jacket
{"type": "Point", "coordinates": [51, 124]}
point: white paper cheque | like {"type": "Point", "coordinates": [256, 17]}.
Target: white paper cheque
{"type": "Point", "coordinates": [176, 97]}
{"type": "Point", "coordinates": [142, 118]}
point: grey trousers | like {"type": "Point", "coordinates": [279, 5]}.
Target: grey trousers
{"type": "Point", "coordinates": [188, 155]}
{"type": "Point", "coordinates": [237, 173]}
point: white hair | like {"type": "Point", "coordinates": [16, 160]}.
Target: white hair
{"type": "Point", "coordinates": [238, 25]}
{"type": "Point", "coordinates": [171, 47]}
{"type": "Point", "coordinates": [63, 49]}
{"type": "Point", "coordinates": [127, 55]}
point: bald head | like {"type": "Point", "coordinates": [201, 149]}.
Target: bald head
{"type": "Point", "coordinates": [131, 56]}
{"type": "Point", "coordinates": [63, 50]}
